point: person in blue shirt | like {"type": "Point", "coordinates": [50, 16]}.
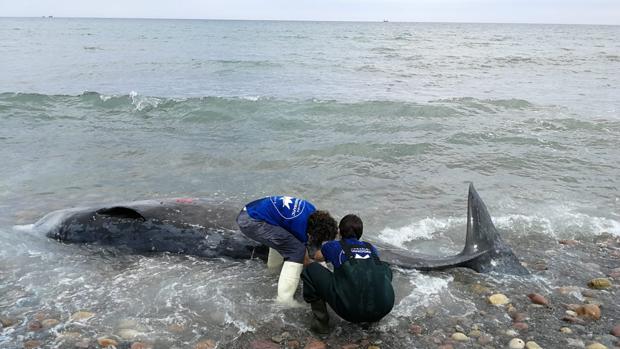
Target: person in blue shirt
{"type": "Point", "coordinates": [287, 225]}
{"type": "Point", "coordinates": [360, 288]}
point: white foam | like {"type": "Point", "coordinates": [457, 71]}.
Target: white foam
{"type": "Point", "coordinates": [559, 222]}
{"type": "Point", "coordinates": [553, 221]}
{"type": "Point", "coordinates": [142, 102]}
{"type": "Point", "coordinates": [425, 291]}
{"type": "Point", "coordinates": [420, 230]}
{"type": "Point", "coordinates": [104, 98]}
{"type": "Point", "coordinates": [240, 325]}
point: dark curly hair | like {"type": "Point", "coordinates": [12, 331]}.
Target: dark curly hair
{"type": "Point", "coordinates": [321, 227]}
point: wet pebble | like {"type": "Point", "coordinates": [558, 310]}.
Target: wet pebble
{"type": "Point", "coordinates": [516, 343]}
{"type": "Point", "coordinates": [566, 330]}
{"type": "Point", "coordinates": [511, 333]}
{"type": "Point", "coordinates": [498, 299]}
{"type": "Point", "coordinates": [415, 329]}
{"type": "Point", "coordinates": [474, 333]}
{"type": "Point", "coordinates": [519, 317]}
{"type": "Point", "coordinates": [599, 283]}
{"type": "Point", "coordinates": [485, 339]}
{"type": "Point", "coordinates": [34, 325]}
{"type": "Point", "coordinates": [570, 313]}
{"type": "Point", "coordinates": [572, 319]}
{"type": "Point", "coordinates": [577, 343]}
{"type": "Point", "coordinates": [49, 323]}
{"type": "Point", "coordinates": [176, 328]}
{"type": "Point", "coordinates": [589, 311]}
{"type": "Point", "coordinates": [316, 344]}
{"type": "Point", "coordinates": [532, 345]}
{"type": "Point", "coordinates": [280, 337]}
{"type": "Point", "coordinates": [205, 344]}
{"type": "Point", "coordinates": [81, 316]}
{"type": "Point", "coordinates": [373, 347]}
{"type": "Point", "coordinates": [480, 289]}
{"type": "Point", "coordinates": [264, 344]}
{"type": "Point", "coordinates": [596, 345]}
{"type": "Point", "coordinates": [127, 333]}
{"type": "Point", "coordinates": [459, 336]}
{"type": "Point", "coordinates": [616, 330]}
{"type": "Point", "coordinates": [350, 346]}
{"type": "Point", "coordinates": [538, 299]}
{"type": "Point", "coordinates": [31, 344]}
{"type": "Point", "coordinates": [7, 322]}
{"type": "Point", "coordinates": [521, 326]}
{"type": "Point", "coordinates": [106, 342]}
{"type": "Point", "coordinates": [127, 323]}
{"type": "Point", "coordinates": [539, 265]}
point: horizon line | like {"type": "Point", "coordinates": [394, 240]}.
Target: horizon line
{"type": "Point", "coordinates": [299, 20]}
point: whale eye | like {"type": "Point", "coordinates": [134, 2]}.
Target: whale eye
{"type": "Point", "coordinates": [121, 212]}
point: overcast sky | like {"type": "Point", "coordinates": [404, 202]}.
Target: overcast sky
{"type": "Point", "coordinates": [496, 11]}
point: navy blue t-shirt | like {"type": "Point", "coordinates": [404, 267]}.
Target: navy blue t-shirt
{"type": "Point", "coordinates": [333, 253]}
{"type": "Point", "coordinates": [284, 211]}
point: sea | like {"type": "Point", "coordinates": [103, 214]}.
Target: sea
{"type": "Point", "coordinates": [390, 121]}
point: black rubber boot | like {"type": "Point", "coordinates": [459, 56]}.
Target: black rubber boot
{"type": "Point", "coordinates": [320, 317]}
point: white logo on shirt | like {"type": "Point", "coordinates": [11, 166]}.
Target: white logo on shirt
{"type": "Point", "coordinates": [287, 201]}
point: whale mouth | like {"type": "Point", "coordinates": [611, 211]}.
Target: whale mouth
{"type": "Point", "coordinates": [121, 212]}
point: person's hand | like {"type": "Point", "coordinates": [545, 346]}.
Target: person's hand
{"type": "Point", "coordinates": [318, 256]}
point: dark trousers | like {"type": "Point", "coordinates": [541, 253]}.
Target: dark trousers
{"type": "Point", "coordinates": [344, 296]}
{"type": "Point", "coordinates": [273, 236]}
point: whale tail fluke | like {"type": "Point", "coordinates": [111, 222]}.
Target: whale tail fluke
{"type": "Point", "coordinates": [484, 250]}
{"type": "Point", "coordinates": [483, 240]}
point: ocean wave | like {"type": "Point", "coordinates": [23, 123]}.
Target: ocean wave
{"type": "Point", "coordinates": [137, 102]}
{"type": "Point", "coordinates": [557, 222]}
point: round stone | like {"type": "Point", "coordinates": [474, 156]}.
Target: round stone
{"type": "Point", "coordinates": [460, 337]}
{"type": "Point", "coordinates": [49, 323]}
{"type": "Point", "coordinates": [532, 345]}
{"type": "Point", "coordinates": [498, 299]}
{"type": "Point", "coordinates": [106, 342]}
{"type": "Point", "coordinates": [566, 330]}
{"type": "Point", "coordinates": [599, 283]}
{"type": "Point", "coordinates": [516, 343]}
{"type": "Point", "coordinates": [596, 346]}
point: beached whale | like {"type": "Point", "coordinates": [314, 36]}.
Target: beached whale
{"type": "Point", "coordinates": [206, 228]}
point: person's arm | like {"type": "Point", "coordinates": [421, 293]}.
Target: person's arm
{"type": "Point", "coordinates": [307, 259]}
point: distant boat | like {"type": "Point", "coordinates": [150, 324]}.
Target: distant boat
{"type": "Point", "coordinates": [385, 21]}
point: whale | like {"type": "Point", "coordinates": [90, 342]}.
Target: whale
{"type": "Point", "coordinates": [207, 228]}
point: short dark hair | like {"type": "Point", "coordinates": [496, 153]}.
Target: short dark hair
{"type": "Point", "coordinates": [321, 227]}
{"type": "Point", "coordinates": [351, 226]}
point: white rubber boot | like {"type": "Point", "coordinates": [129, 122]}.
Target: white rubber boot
{"type": "Point", "coordinates": [274, 260]}
{"type": "Point", "coordinates": [287, 284]}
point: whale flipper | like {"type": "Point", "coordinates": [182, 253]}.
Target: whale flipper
{"type": "Point", "coordinates": [484, 250]}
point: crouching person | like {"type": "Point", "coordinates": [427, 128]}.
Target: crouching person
{"type": "Point", "coordinates": [360, 288]}
{"type": "Point", "coordinates": [288, 225]}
